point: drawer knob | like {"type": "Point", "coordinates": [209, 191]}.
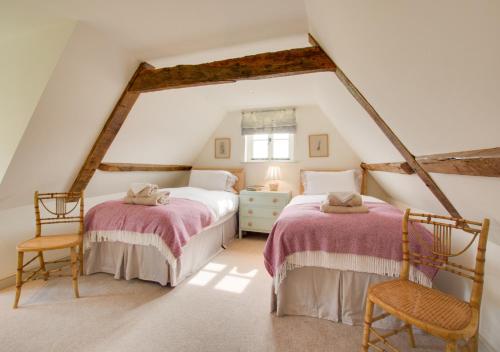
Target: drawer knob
{"type": "Point", "coordinates": [249, 223]}
{"type": "Point", "coordinates": [251, 199]}
{"type": "Point", "coordinates": [275, 200]}
{"type": "Point", "coordinates": [275, 213]}
{"type": "Point", "coordinates": [250, 211]}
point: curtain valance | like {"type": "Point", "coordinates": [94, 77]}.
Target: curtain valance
{"type": "Point", "coordinates": [268, 121]}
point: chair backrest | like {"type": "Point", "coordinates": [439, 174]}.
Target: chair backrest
{"type": "Point", "coordinates": [441, 248]}
{"type": "Point", "coordinates": [58, 208]}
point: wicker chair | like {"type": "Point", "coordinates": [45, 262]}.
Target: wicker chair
{"type": "Point", "coordinates": [56, 206]}
{"type": "Point", "coordinates": [430, 310]}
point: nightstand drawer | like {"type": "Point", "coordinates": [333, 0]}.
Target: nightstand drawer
{"type": "Point", "coordinates": [260, 212]}
{"type": "Point", "coordinates": [256, 224]}
{"type": "Point", "coordinates": [265, 200]}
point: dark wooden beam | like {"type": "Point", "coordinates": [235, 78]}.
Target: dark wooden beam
{"type": "Point", "coordinates": [260, 66]}
{"type": "Point", "coordinates": [121, 167]}
{"type": "Point", "coordinates": [483, 162]}
{"type": "Point", "coordinates": [393, 138]}
{"type": "Point", "coordinates": [108, 132]}
{"type": "Point", "coordinates": [400, 168]}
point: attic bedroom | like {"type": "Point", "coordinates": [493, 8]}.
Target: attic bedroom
{"type": "Point", "coordinates": [284, 175]}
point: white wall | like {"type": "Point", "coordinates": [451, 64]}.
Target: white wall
{"type": "Point", "coordinates": [310, 120]}
{"type": "Point", "coordinates": [430, 69]}
{"type": "Point", "coordinates": [84, 86]}
{"type": "Point", "coordinates": [26, 64]}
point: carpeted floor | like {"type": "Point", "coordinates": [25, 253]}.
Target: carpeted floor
{"type": "Point", "coordinates": [224, 307]}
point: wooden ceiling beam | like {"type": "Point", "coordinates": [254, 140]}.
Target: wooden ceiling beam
{"type": "Point", "coordinates": [260, 66]}
{"type": "Point", "coordinates": [108, 132]}
{"type": "Point", "coordinates": [482, 162]}
{"type": "Point", "coordinates": [393, 138]}
{"type": "Point", "coordinates": [146, 79]}
{"type": "Point", "coordinates": [125, 167]}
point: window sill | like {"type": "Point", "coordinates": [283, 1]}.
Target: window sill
{"type": "Point", "coordinates": [270, 162]}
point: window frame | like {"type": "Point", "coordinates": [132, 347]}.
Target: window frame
{"type": "Point", "coordinates": [248, 140]}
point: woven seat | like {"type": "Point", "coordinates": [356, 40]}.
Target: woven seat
{"type": "Point", "coordinates": [49, 242]}
{"type": "Point", "coordinates": [431, 307]}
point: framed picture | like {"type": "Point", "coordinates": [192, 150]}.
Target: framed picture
{"type": "Point", "coordinates": [318, 145]}
{"type": "Point", "coordinates": [222, 148]}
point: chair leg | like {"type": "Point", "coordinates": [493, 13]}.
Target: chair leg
{"type": "Point", "coordinates": [74, 271]}
{"type": "Point", "coordinates": [19, 277]}
{"type": "Point", "coordinates": [474, 343]}
{"type": "Point", "coordinates": [451, 346]}
{"type": "Point", "coordinates": [367, 325]}
{"type": "Point", "coordinates": [411, 337]}
{"type": "Point", "coordinates": [80, 257]}
{"type": "Point", "coordinates": [42, 266]}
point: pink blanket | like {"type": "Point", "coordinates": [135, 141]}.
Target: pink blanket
{"type": "Point", "coordinates": [173, 223]}
{"type": "Point", "coordinates": [302, 227]}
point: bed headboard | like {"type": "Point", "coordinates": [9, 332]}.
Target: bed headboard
{"type": "Point", "coordinates": [240, 173]}
{"type": "Point", "coordinates": [362, 171]}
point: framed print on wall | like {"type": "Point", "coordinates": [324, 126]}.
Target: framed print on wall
{"type": "Point", "coordinates": [318, 145]}
{"type": "Point", "coordinates": [222, 148]}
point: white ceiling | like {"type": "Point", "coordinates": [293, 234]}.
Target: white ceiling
{"type": "Point", "coordinates": [159, 28]}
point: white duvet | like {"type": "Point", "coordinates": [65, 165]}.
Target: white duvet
{"type": "Point", "coordinates": [318, 198]}
{"type": "Point", "coordinates": [220, 203]}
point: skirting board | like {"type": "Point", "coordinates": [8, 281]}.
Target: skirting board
{"type": "Point", "coordinates": [10, 281]}
{"type": "Point", "coordinates": [484, 346]}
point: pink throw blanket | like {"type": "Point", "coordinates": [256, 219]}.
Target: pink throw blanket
{"type": "Point", "coordinates": [303, 227]}
{"type": "Point", "coordinates": [174, 223]}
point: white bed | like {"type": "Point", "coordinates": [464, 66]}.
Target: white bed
{"type": "Point", "coordinates": [336, 295]}
{"type": "Point", "coordinates": [131, 259]}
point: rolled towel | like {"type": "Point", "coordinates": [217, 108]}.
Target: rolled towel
{"type": "Point", "coordinates": [345, 199]}
{"type": "Point", "coordinates": [327, 208]}
{"type": "Point", "coordinates": [141, 189]}
{"type": "Point", "coordinates": [157, 198]}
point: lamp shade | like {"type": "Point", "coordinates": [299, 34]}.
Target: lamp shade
{"type": "Point", "coordinates": [273, 173]}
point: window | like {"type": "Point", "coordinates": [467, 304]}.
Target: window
{"type": "Point", "coordinates": [274, 146]}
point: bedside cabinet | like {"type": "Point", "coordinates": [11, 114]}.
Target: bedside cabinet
{"type": "Point", "coordinates": [259, 210]}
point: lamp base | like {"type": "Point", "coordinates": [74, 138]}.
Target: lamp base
{"type": "Point", "coordinates": [273, 187]}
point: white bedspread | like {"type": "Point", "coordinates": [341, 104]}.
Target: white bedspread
{"type": "Point", "coordinates": [220, 203]}
{"type": "Point", "coordinates": [318, 198]}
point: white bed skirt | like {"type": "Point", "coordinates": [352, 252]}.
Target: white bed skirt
{"type": "Point", "coordinates": [329, 294]}
{"type": "Point", "coordinates": [134, 261]}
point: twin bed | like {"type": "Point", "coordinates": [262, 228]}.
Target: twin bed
{"type": "Point", "coordinates": [322, 264]}
{"type": "Point", "coordinates": [167, 243]}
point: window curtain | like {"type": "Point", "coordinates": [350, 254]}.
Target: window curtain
{"type": "Point", "coordinates": [268, 121]}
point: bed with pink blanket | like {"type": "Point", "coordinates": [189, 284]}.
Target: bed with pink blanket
{"type": "Point", "coordinates": [163, 243]}
{"type": "Point", "coordinates": [322, 263]}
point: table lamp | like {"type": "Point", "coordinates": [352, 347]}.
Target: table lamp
{"type": "Point", "coordinates": [273, 174]}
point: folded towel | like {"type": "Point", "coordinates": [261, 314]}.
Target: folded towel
{"type": "Point", "coordinates": [157, 198]}
{"type": "Point", "coordinates": [346, 199]}
{"type": "Point", "coordinates": [327, 208]}
{"type": "Point", "coordinates": [141, 189]}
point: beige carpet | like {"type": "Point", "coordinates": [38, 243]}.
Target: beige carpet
{"type": "Point", "coordinates": [222, 308]}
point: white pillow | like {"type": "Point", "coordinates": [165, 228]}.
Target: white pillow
{"type": "Point", "coordinates": [213, 180]}
{"type": "Point", "coordinates": [322, 182]}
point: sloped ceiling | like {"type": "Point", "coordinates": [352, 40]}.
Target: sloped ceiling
{"type": "Point", "coordinates": [159, 28]}
{"type": "Point", "coordinates": [430, 69]}
{"type": "Point", "coordinates": [30, 46]}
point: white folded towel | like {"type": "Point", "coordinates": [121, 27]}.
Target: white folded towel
{"type": "Point", "coordinates": [327, 208]}
{"type": "Point", "coordinates": [345, 199]}
{"type": "Point", "coordinates": [141, 189]}
{"type": "Point", "coordinates": [157, 198]}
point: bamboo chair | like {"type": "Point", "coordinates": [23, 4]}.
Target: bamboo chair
{"type": "Point", "coordinates": [433, 311]}
{"type": "Point", "coordinates": [59, 207]}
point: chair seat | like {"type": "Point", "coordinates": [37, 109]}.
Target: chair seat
{"type": "Point", "coordinates": [44, 243]}
{"type": "Point", "coordinates": [423, 306]}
